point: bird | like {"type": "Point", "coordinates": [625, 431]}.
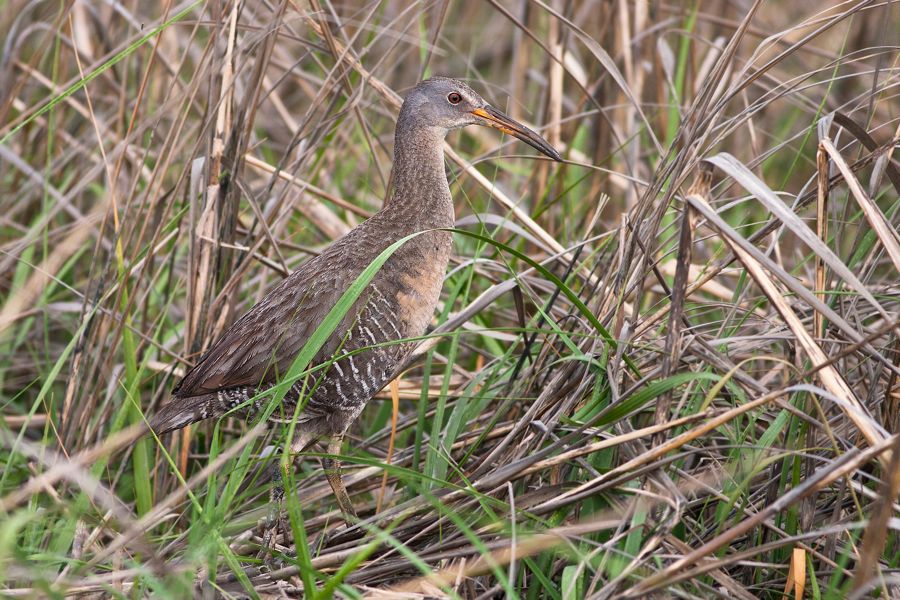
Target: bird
{"type": "Point", "coordinates": [375, 335]}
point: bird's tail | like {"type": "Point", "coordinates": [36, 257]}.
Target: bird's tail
{"type": "Point", "coordinates": [181, 412]}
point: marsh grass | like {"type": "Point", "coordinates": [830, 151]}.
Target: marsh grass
{"type": "Point", "coordinates": [666, 368]}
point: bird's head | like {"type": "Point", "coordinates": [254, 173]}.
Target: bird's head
{"type": "Point", "coordinates": [450, 104]}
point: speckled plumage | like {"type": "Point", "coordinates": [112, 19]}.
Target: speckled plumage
{"type": "Point", "coordinates": [398, 303]}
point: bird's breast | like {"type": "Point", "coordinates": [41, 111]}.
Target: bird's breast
{"type": "Point", "coordinates": [419, 286]}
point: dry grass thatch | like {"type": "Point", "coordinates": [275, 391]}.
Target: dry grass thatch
{"type": "Point", "coordinates": [669, 367]}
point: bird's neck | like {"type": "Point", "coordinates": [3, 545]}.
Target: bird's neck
{"type": "Point", "coordinates": [420, 194]}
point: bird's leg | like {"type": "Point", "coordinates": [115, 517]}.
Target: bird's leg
{"type": "Point", "coordinates": [274, 523]}
{"type": "Point", "coordinates": [274, 520]}
{"type": "Point", "coordinates": [332, 468]}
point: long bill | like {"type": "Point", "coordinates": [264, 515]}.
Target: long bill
{"type": "Point", "coordinates": [491, 117]}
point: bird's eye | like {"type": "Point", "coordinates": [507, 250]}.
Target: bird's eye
{"type": "Point", "coordinates": [454, 98]}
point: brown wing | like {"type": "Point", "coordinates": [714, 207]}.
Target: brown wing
{"type": "Point", "coordinates": [263, 343]}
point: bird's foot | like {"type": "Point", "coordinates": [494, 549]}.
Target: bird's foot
{"type": "Point", "coordinates": [334, 534]}
{"type": "Point", "coordinates": [272, 526]}
{"type": "Point", "coordinates": [270, 553]}
{"type": "Point", "coordinates": [341, 530]}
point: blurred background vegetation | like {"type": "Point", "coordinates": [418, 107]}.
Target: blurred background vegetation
{"type": "Point", "coordinates": [666, 368]}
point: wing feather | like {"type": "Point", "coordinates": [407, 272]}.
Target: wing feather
{"type": "Point", "coordinates": [264, 342]}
